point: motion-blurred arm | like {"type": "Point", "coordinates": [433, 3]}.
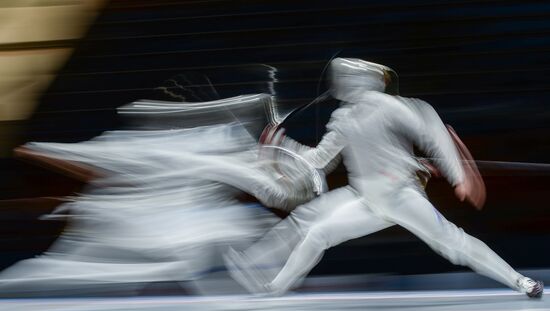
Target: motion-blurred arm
{"type": "Point", "coordinates": [424, 127]}
{"type": "Point", "coordinates": [326, 155]}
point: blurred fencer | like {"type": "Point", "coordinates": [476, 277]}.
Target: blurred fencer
{"type": "Point", "coordinates": [375, 133]}
{"type": "Point", "coordinates": [164, 201]}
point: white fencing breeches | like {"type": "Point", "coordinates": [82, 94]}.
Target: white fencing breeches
{"type": "Point", "coordinates": [271, 252]}
{"type": "Point", "coordinates": [407, 208]}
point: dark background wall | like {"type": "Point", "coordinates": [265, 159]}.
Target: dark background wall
{"type": "Point", "coordinates": [482, 64]}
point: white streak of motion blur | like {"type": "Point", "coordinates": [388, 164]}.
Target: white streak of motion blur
{"type": "Point", "coordinates": [165, 206]}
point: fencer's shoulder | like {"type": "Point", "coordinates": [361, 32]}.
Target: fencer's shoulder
{"type": "Point", "coordinates": [375, 96]}
{"type": "Point", "coordinates": [385, 103]}
{"type": "Point", "coordinates": [342, 112]}
{"type": "Point", "coordinates": [414, 102]}
{"type": "Point", "coordinates": [341, 117]}
{"type": "Point", "coordinates": [415, 105]}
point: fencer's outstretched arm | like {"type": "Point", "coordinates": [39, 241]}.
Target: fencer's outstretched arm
{"type": "Point", "coordinates": [270, 189]}
{"type": "Point", "coordinates": [326, 155]}
{"type": "Point", "coordinates": [424, 127]}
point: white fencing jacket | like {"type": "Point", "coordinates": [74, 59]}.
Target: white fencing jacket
{"type": "Point", "coordinates": [376, 135]}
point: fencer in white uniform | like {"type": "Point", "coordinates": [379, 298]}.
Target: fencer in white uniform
{"type": "Point", "coordinates": [164, 204]}
{"type": "Point", "coordinates": [375, 133]}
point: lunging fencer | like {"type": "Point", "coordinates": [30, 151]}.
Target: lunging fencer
{"type": "Point", "coordinates": [375, 133]}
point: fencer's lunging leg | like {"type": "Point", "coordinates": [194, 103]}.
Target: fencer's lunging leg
{"type": "Point", "coordinates": [262, 261]}
{"type": "Point", "coordinates": [277, 244]}
{"type": "Point", "coordinates": [347, 222]}
{"type": "Point", "coordinates": [411, 210]}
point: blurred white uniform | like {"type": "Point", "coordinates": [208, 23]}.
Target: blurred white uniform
{"type": "Point", "coordinates": [375, 133]}
{"type": "Point", "coordinates": [163, 208]}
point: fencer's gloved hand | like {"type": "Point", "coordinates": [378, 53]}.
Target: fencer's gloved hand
{"type": "Point", "coordinates": [272, 135]}
{"type": "Point", "coordinates": [299, 180]}
{"type": "Point", "coordinates": [461, 191]}
{"type": "Point", "coordinates": [472, 189]}
{"type": "Point", "coordinates": [466, 191]}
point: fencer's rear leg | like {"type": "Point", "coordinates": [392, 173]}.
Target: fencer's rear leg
{"type": "Point", "coordinates": [415, 213]}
